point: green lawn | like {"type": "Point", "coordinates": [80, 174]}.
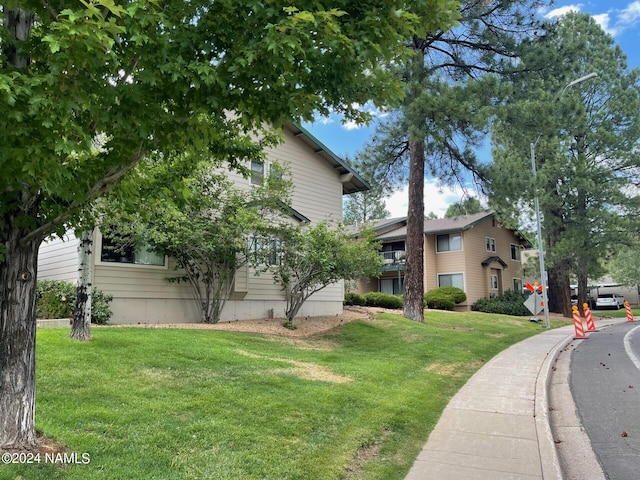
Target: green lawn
{"type": "Point", "coordinates": [616, 313]}
{"type": "Point", "coordinates": [195, 404]}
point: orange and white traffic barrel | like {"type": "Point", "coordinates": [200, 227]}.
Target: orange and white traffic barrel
{"type": "Point", "coordinates": [577, 324]}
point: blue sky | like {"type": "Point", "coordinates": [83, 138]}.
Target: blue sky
{"type": "Point", "coordinates": [620, 18]}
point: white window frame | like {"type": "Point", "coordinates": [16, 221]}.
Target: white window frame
{"type": "Point", "coordinates": [494, 282]}
{"type": "Point", "coordinates": [490, 244]}
{"type": "Point", "coordinates": [254, 173]}
{"type": "Point", "coordinates": [452, 274]}
{"type": "Point", "coordinates": [98, 260]}
{"type": "Point", "coordinates": [449, 235]}
{"type": "Point", "coordinates": [267, 168]}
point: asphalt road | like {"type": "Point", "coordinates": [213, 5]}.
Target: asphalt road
{"type": "Point", "coordinates": [605, 384]}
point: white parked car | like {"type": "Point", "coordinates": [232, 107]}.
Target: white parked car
{"type": "Point", "coordinates": [610, 300]}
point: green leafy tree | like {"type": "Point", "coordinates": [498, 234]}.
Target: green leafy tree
{"type": "Point", "coordinates": [88, 89]}
{"type": "Point", "coordinates": [209, 227]}
{"type": "Point", "coordinates": [465, 207]}
{"type": "Point", "coordinates": [624, 266]}
{"type": "Point", "coordinates": [452, 86]}
{"type": "Point", "coordinates": [314, 257]}
{"type": "Point", "coordinates": [586, 152]}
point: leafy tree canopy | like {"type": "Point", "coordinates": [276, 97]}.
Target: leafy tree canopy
{"type": "Point", "coordinates": [465, 207]}
{"type": "Point", "coordinates": [149, 76]}
{"type": "Point", "coordinates": [315, 256]}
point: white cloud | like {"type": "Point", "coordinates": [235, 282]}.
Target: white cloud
{"type": "Point", "coordinates": [351, 125]}
{"type": "Point", "coordinates": [630, 15]}
{"type": "Point", "coordinates": [558, 12]}
{"type": "Point", "coordinates": [604, 20]}
{"type": "Point", "coordinates": [325, 120]}
{"type": "Point", "coordinates": [613, 21]}
{"type": "Point", "coordinates": [436, 199]}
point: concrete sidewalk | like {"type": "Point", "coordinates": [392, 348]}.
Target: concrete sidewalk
{"type": "Point", "coordinates": [497, 426]}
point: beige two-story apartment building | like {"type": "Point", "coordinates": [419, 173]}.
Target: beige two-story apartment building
{"type": "Point", "coordinates": [472, 252]}
{"type": "Point", "coordinates": [137, 279]}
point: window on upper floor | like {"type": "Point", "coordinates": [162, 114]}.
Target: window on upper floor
{"type": "Point", "coordinates": [449, 242]}
{"type": "Point", "coordinates": [515, 252]}
{"type": "Point", "coordinates": [260, 169]}
{"type": "Point", "coordinates": [451, 280]}
{"type": "Point", "coordinates": [490, 243]}
{"type": "Point", "coordinates": [257, 172]}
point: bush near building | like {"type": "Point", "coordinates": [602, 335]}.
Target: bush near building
{"type": "Point", "coordinates": [509, 303]}
{"type": "Point", "coordinates": [56, 299]}
{"type": "Point", "coordinates": [444, 298]}
{"type": "Point", "coordinates": [374, 299]}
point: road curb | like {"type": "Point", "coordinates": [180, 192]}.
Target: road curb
{"type": "Point", "coordinates": [549, 458]}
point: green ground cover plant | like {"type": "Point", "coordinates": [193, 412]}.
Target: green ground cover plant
{"type": "Point", "coordinates": [207, 404]}
{"type": "Point", "coordinates": [615, 313]}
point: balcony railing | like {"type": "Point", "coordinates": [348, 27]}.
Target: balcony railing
{"type": "Point", "coordinates": [393, 260]}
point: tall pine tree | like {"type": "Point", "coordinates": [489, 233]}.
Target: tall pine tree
{"type": "Point", "coordinates": [586, 151]}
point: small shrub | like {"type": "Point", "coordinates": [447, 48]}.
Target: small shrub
{"type": "Point", "coordinates": [351, 298]}
{"type": "Point", "coordinates": [100, 312]}
{"type": "Point", "coordinates": [383, 300]}
{"type": "Point", "coordinates": [444, 298]}
{"type": "Point", "coordinates": [56, 299]}
{"type": "Point", "coordinates": [510, 303]}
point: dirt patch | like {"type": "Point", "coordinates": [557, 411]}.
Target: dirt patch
{"type": "Point", "coordinates": [305, 326]}
{"type": "Point", "coordinates": [365, 454]}
{"type": "Point", "coordinates": [306, 370]}
{"type": "Point", "coordinates": [452, 369]}
{"type": "Point", "coordinates": [45, 446]}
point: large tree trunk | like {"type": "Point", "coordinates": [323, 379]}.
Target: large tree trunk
{"type": "Point", "coordinates": [583, 289]}
{"type": "Point", "coordinates": [18, 272]}
{"type": "Point", "coordinates": [19, 23]}
{"type": "Point", "coordinates": [559, 291]}
{"type": "Point", "coordinates": [81, 327]}
{"type": "Point", "coordinates": [414, 273]}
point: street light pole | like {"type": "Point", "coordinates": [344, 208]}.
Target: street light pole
{"type": "Point", "coordinates": [543, 271]}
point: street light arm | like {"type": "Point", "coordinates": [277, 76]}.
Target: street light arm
{"type": "Point", "coordinates": [584, 78]}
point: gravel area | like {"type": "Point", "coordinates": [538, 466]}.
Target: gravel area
{"type": "Point", "coordinates": [305, 326]}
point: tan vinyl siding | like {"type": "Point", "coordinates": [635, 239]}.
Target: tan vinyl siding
{"type": "Point", "coordinates": [58, 259]}
{"type": "Point", "coordinates": [453, 261]}
{"type": "Point", "coordinates": [479, 277]}
{"type": "Point", "coordinates": [317, 191]}
{"type": "Point", "coordinates": [430, 263]}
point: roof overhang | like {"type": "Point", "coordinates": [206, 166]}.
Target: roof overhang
{"type": "Point", "coordinates": [351, 181]}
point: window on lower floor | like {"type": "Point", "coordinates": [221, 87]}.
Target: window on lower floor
{"type": "Point", "coordinates": [517, 285]}
{"type": "Point", "coordinates": [494, 282]}
{"type": "Point", "coordinates": [451, 280]}
{"type": "Point", "coordinates": [392, 286]}
{"type": "Point", "coordinates": [267, 251]}
{"type": "Point", "coordinates": [119, 250]}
